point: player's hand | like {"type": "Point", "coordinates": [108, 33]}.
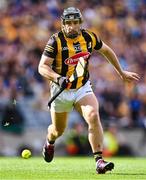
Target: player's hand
{"type": "Point", "coordinates": [62, 81]}
{"type": "Point", "coordinates": [129, 76]}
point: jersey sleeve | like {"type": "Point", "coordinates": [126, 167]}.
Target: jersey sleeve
{"type": "Point", "coordinates": [51, 48]}
{"type": "Point", "coordinates": [97, 42]}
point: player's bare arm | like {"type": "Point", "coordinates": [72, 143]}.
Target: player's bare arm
{"type": "Point", "coordinates": [107, 52]}
{"type": "Point", "coordinates": [45, 69]}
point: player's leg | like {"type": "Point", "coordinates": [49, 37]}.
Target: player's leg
{"type": "Point", "coordinates": [88, 107]}
{"type": "Point", "coordinates": [59, 110]}
{"type": "Point", "coordinates": [56, 129]}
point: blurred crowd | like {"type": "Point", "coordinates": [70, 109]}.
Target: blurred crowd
{"type": "Point", "coordinates": [25, 27]}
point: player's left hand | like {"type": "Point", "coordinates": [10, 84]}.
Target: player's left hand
{"type": "Point", "coordinates": [128, 76]}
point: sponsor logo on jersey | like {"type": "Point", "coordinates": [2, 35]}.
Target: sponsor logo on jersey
{"type": "Point", "coordinates": [74, 59]}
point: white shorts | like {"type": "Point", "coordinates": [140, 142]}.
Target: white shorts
{"type": "Point", "coordinates": [66, 100]}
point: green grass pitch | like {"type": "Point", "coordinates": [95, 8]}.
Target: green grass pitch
{"type": "Point", "coordinates": [69, 168]}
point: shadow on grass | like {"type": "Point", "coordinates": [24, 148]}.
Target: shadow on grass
{"type": "Point", "coordinates": [127, 174]}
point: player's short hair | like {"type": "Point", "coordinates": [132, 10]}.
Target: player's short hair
{"type": "Point", "coordinates": [71, 13]}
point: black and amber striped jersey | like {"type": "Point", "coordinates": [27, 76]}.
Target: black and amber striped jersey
{"type": "Point", "coordinates": [61, 48]}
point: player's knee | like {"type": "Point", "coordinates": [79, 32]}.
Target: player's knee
{"type": "Point", "coordinates": [93, 116]}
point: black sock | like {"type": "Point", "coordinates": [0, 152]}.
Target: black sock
{"type": "Point", "coordinates": [97, 155]}
{"type": "Point", "coordinates": [51, 142]}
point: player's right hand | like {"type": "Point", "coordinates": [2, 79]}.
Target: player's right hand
{"type": "Point", "coordinates": [62, 81]}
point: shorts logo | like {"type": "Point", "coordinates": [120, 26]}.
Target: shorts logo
{"type": "Point", "coordinates": [74, 59]}
{"type": "Point", "coordinates": [88, 91]}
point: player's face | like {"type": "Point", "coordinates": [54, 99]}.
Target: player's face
{"type": "Point", "coordinates": [72, 28]}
